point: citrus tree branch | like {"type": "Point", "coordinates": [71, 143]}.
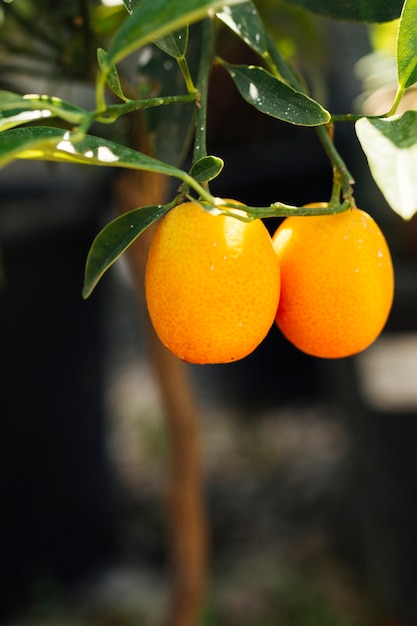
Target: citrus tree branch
{"type": "Point", "coordinates": [112, 112]}
{"type": "Point", "coordinates": [341, 175]}
{"type": "Point", "coordinates": [206, 59]}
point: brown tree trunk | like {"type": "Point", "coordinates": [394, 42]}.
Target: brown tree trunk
{"type": "Point", "coordinates": [188, 539]}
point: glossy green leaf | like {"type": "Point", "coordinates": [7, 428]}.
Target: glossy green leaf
{"type": "Point", "coordinates": [25, 142]}
{"type": "Point", "coordinates": [55, 144]}
{"type": "Point", "coordinates": [112, 75]}
{"type": "Point", "coordinates": [390, 146]}
{"type": "Point", "coordinates": [206, 169]}
{"type": "Point", "coordinates": [13, 119]}
{"type": "Point", "coordinates": [16, 109]}
{"type": "Point", "coordinates": [245, 21]}
{"type": "Point", "coordinates": [155, 18]}
{"type": "Point", "coordinates": [407, 45]}
{"type": "Point", "coordinates": [273, 97]}
{"type": "Point", "coordinates": [174, 44]}
{"type": "Point", "coordinates": [354, 10]}
{"type": "Point", "coordinates": [131, 5]}
{"type": "Point", "coordinates": [114, 239]}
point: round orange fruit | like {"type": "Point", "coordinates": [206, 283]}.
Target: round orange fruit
{"type": "Point", "coordinates": [212, 284]}
{"type": "Point", "coordinates": [337, 282]}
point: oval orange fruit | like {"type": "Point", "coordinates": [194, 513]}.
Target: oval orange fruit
{"type": "Point", "coordinates": [212, 284]}
{"type": "Point", "coordinates": [337, 282]}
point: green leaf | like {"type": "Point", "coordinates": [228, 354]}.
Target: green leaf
{"type": "Point", "coordinates": [174, 44]}
{"type": "Point", "coordinates": [354, 10]}
{"type": "Point", "coordinates": [390, 146]}
{"type": "Point", "coordinates": [131, 5]}
{"type": "Point", "coordinates": [55, 144]}
{"type": "Point", "coordinates": [16, 109]}
{"type": "Point", "coordinates": [206, 169]}
{"type": "Point", "coordinates": [273, 97]}
{"type": "Point", "coordinates": [152, 19]}
{"type": "Point", "coordinates": [114, 239]}
{"type": "Point", "coordinates": [112, 75]}
{"type": "Point", "coordinates": [25, 142]}
{"type": "Point", "coordinates": [401, 130]}
{"type": "Point", "coordinates": [13, 119]}
{"type": "Point", "coordinates": [244, 20]}
{"type": "Point", "coordinates": [407, 45]}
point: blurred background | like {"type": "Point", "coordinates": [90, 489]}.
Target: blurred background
{"type": "Point", "coordinates": [309, 465]}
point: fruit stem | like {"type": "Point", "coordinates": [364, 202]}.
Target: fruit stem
{"type": "Point", "coordinates": [276, 209]}
{"type": "Point", "coordinates": [342, 178]}
{"type": "Point", "coordinates": [354, 117]}
{"type": "Point", "coordinates": [336, 191]}
{"type": "Point", "coordinates": [202, 189]}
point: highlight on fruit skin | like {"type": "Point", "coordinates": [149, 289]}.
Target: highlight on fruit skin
{"type": "Point", "coordinates": [337, 282]}
{"type": "Point", "coordinates": [212, 284]}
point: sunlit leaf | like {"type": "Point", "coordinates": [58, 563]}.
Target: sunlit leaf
{"type": "Point", "coordinates": [114, 239]}
{"type": "Point", "coordinates": [206, 169]}
{"type": "Point", "coordinates": [245, 21]}
{"type": "Point", "coordinates": [407, 45]}
{"type": "Point", "coordinates": [155, 18]}
{"type": "Point", "coordinates": [105, 20]}
{"type": "Point", "coordinates": [354, 10]}
{"type": "Point", "coordinates": [390, 146]}
{"type": "Point", "coordinates": [55, 144]}
{"type": "Point", "coordinates": [273, 97]}
{"type": "Point", "coordinates": [35, 106]}
{"type": "Point", "coordinates": [12, 119]}
{"type": "Point", "coordinates": [27, 141]}
{"type": "Point", "coordinates": [174, 44]}
{"type": "Point", "coordinates": [112, 75]}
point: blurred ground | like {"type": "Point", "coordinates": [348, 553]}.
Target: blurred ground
{"type": "Point", "coordinates": [283, 547]}
{"type": "Point", "coordinates": [271, 487]}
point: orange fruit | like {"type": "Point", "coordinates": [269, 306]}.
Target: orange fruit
{"type": "Point", "coordinates": [337, 282]}
{"type": "Point", "coordinates": [212, 284]}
